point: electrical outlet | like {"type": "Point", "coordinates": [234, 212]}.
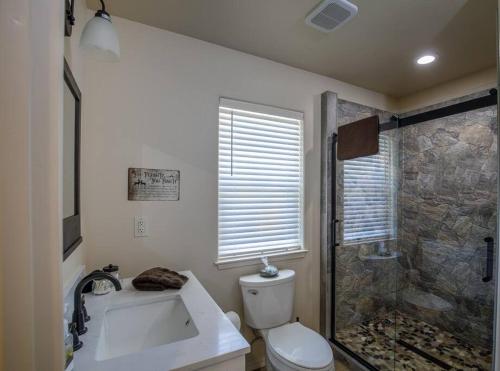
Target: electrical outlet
{"type": "Point", "coordinates": [140, 226]}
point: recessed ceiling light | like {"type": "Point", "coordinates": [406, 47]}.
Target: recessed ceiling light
{"type": "Point", "coordinates": [426, 59]}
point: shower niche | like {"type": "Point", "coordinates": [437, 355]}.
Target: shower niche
{"type": "Point", "coordinates": [409, 236]}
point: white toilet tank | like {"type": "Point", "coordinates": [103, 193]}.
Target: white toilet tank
{"type": "Point", "coordinates": [268, 302]}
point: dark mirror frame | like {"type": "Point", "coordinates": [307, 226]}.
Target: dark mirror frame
{"type": "Point", "coordinates": [72, 236]}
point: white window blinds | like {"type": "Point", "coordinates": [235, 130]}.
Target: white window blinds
{"type": "Point", "coordinates": [260, 180]}
{"type": "Point", "coordinates": [368, 196]}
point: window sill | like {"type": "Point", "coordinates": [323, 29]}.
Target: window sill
{"type": "Point", "coordinates": [255, 260]}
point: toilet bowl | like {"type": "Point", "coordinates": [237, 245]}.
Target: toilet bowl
{"type": "Point", "coordinates": [295, 347]}
{"type": "Point", "coordinates": [268, 307]}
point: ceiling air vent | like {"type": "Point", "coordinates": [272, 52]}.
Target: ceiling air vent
{"type": "Point", "coordinates": [331, 14]}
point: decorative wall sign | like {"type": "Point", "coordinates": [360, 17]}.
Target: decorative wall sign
{"type": "Point", "coordinates": [153, 184]}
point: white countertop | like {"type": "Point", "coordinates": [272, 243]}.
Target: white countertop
{"type": "Point", "coordinates": [218, 340]}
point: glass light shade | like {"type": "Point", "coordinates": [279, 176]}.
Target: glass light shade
{"type": "Point", "coordinates": [99, 37]}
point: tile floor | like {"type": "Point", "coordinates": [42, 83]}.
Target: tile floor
{"type": "Point", "coordinates": [375, 341]}
{"type": "Point", "coordinates": [341, 366]}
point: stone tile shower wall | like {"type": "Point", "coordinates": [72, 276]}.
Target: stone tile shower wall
{"type": "Point", "coordinates": [447, 206]}
{"type": "Point", "coordinates": [364, 289]}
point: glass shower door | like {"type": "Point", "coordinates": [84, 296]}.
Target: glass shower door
{"type": "Point", "coordinates": [366, 266]}
{"type": "Point", "coordinates": [414, 247]}
{"type": "Point", "coordinates": [447, 225]}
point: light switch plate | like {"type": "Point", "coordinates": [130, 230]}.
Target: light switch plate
{"type": "Point", "coordinates": [141, 226]}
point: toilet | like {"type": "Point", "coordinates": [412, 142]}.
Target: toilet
{"type": "Point", "coordinates": [290, 346]}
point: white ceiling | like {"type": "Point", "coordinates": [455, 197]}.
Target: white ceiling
{"type": "Point", "coordinates": [375, 50]}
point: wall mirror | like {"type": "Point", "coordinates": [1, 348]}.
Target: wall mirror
{"type": "Point", "coordinates": [71, 163]}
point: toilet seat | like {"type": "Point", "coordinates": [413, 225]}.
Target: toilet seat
{"type": "Point", "coordinates": [299, 347]}
{"type": "Point", "coordinates": [278, 364]}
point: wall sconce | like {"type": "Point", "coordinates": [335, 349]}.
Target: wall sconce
{"type": "Point", "coordinates": [99, 36]}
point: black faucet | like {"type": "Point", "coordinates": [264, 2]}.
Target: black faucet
{"type": "Point", "coordinates": [78, 313]}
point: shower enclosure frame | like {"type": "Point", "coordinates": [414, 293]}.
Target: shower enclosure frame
{"type": "Point", "coordinates": [332, 234]}
{"type": "Point", "coordinates": [496, 330]}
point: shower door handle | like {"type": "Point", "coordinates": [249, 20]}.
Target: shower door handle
{"type": "Point", "coordinates": [335, 224]}
{"type": "Point", "coordinates": [489, 259]}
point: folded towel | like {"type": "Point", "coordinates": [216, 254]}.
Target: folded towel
{"type": "Point", "coordinates": [357, 139]}
{"type": "Point", "coordinates": [159, 279]}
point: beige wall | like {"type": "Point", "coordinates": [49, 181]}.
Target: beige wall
{"type": "Point", "coordinates": [75, 58]}
{"type": "Point", "coordinates": [158, 108]}
{"type": "Point", "coordinates": [30, 214]}
{"type": "Point", "coordinates": [14, 111]}
{"type": "Point", "coordinates": [466, 85]}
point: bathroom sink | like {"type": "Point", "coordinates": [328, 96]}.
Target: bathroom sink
{"type": "Point", "coordinates": [135, 327]}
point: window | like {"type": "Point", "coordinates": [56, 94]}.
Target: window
{"type": "Point", "coordinates": [260, 181]}
{"type": "Point", "coordinates": [368, 196]}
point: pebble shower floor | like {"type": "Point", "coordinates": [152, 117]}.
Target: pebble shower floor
{"type": "Point", "coordinates": [375, 341]}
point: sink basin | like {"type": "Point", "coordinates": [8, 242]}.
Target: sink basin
{"type": "Point", "coordinates": [135, 327]}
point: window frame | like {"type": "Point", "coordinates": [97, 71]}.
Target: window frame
{"type": "Point", "coordinates": [299, 251]}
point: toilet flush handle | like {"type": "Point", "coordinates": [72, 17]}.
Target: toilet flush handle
{"type": "Point", "coordinates": [253, 291]}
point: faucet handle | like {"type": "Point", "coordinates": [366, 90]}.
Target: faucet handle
{"type": "Point", "coordinates": [86, 317]}
{"type": "Point", "coordinates": [78, 319]}
{"type": "Point", "coordinates": [77, 343]}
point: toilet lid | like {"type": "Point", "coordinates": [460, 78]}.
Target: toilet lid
{"type": "Point", "coordinates": [300, 345]}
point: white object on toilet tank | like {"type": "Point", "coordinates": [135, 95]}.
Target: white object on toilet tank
{"type": "Point", "coordinates": [234, 318]}
{"type": "Point", "coordinates": [268, 302]}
